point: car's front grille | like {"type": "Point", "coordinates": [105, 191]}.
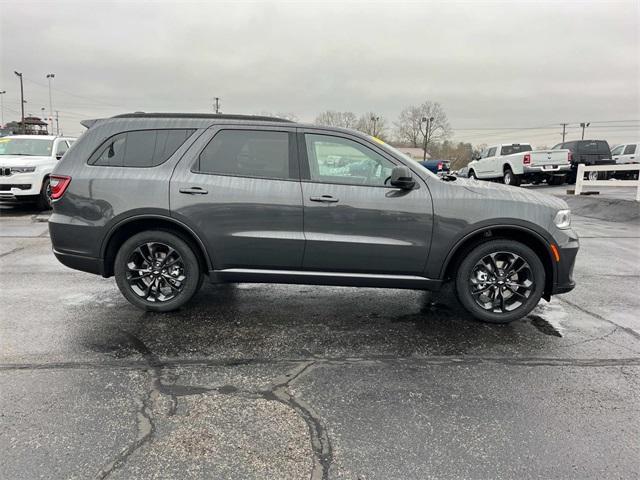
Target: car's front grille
{"type": "Point", "coordinates": [7, 187]}
{"type": "Point", "coordinates": [5, 171]}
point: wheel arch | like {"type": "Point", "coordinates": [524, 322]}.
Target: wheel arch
{"type": "Point", "coordinates": [521, 234]}
{"type": "Point", "coordinates": [130, 226]}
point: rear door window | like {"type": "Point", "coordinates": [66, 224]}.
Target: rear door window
{"type": "Point", "coordinates": [247, 153]}
{"type": "Point", "coordinates": [141, 148]}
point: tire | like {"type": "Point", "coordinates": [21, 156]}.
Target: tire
{"type": "Point", "coordinates": [556, 180]}
{"type": "Point", "coordinates": [172, 286]}
{"type": "Point", "coordinates": [44, 198]}
{"type": "Point", "coordinates": [520, 304]}
{"type": "Point", "coordinates": [510, 178]}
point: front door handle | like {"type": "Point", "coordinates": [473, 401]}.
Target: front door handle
{"type": "Point", "coordinates": [194, 191]}
{"type": "Point", "coordinates": [324, 199]}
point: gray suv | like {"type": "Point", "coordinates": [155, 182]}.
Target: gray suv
{"type": "Point", "coordinates": [162, 200]}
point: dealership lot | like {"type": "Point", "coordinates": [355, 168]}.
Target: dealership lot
{"type": "Point", "coordinates": [277, 381]}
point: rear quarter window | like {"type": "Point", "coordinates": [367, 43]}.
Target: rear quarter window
{"type": "Point", "coordinates": [140, 148]}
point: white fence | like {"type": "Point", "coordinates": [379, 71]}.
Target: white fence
{"type": "Point", "coordinates": [581, 182]}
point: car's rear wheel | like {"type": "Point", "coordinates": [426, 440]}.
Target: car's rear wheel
{"type": "Point", "coordinates": [500, 281]}
{"type": "Point", "coordinates": [157, 271]}
{"type": "Point", "coordinates": [510, 178]}
{"type": "Point", "coordinates": [44, 199]}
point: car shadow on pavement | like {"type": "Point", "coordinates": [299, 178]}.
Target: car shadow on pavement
{"type": "Point", "coordinates": [253, 321]}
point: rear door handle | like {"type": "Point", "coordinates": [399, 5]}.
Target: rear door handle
{"type": "Point", "coordinates": [194, 191]}
{"type": "Point", "coordinates": [324, 199]}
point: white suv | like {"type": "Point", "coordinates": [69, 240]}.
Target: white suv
{"type": "Point", "coordinates": [25, 164]}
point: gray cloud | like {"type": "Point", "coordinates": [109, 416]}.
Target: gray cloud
{"type": "Point", "coordinates": [490, 64]}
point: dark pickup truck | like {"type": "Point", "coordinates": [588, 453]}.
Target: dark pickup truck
{"type": "Point", "coordinates": [589, 152]}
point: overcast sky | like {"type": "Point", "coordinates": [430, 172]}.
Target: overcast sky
{"type": "Point", "coordinates": [491, 65]}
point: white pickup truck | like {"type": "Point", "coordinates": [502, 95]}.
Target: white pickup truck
{"type": "Point", "coordinates": [514, 163]}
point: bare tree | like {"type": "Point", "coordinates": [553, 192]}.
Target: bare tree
{"type": "Point", "coordinates": [372, 124]}
{"type": "Point", "coordinates": [415, 125]}
{"type": "Point", "coordinates": [332, 118]}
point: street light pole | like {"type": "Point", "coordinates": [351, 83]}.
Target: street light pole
{"type": "Point", "coordinates": [2, 92]}
{"type": "Point", "coordinates": [375, 119]}
{"type": "Point", "coordinates": [21, 99]}
{"type": "Point", "coordinates": [428, 122]}
{"type": "Point", "coordinates": [217, 104]}
{"type": "Point", "coordinates": [584, 125]}
{"type": "Point", "coordinates": [50, 77]}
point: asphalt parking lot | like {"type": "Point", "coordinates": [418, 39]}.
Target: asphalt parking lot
{"type": "Point", "coordinates": [276, 381]}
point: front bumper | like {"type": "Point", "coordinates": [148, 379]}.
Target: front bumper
{"type": "Point", "coordinates": [17, 185]}
{"type": "Point", "coordinates": [568, 247]}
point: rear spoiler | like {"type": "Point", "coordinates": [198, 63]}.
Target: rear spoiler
{"type": "Point", "coordinates": [89, 123]}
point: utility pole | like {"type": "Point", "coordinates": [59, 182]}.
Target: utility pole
{"type": "Point", "coordinates": [42, 117]}
{"type": "Point", "coordinates": [50, 77]}
{"type": "Point", "coordinates": [57, 123]}
{"type": "Point", "coordinates": [2, 92]}
{"type": "Point", "coordinates": [216, 106]}
{"type": "Point", "coordinates": [564, 130]}
{"type": "Point", "coordinates": [584, 125]}
{"type": "Point", "coordinates": [21, 99]}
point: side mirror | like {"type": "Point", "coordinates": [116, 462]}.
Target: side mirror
{"type": "Point", "coordinates": [402, 177]}
{"type": "Point", "coordinates": [59, 156]}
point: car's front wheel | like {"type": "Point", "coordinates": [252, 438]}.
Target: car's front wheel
{"type": "Point", "coordinates": [44, 199]}
{"type": "Point", "coordinates": [500, 281]}
{"type": "Point", "coordinates": [157, 271]}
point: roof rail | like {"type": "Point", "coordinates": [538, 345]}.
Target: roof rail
{"type": "Point", "coordinates": [220, 116]}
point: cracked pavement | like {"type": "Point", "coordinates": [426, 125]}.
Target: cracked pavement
{"type": "Point", "coordinates": [276, 381]}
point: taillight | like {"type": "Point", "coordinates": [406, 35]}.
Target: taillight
{"type": "Point", "coordinates": [439, 165]}
{"type": "Point", "coordinates": [526, 160]}
{"type": "Point", "coordinates": [59, 184]}
{"type": "Point", "coordinates": [570, 157]}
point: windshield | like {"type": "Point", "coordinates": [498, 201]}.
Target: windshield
{"type": "Point", "coordinates": [407, 158]}
{"type": "Point", "coordinates": [515, 148]}
{"type": "Point", "coordinates": [26, 146]}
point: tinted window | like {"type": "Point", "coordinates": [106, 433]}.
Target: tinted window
{"type": "Point", "coordinates": [593, 146]}
{"type": "Point", "coordinates": [492, 152]}
{"type": "Point", "coordinates": [247, 153]}
{"type": "Point", "coordinates": [631, 148]}
{"type": "Point", "coordinates": [515, 148]}
{"type": "Point", "coordinates": [143, 148]}
{"type": "Point", "coordinates": [339, 160]}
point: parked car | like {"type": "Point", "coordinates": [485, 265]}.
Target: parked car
{"type": "Point", "coordinates": [256, 199]}
{"type": "Point", "coordinates": [589, 152]}
{"type": "Point", "coordinates": [515, 163]}
{"type": "Point", "coordinates": [26, 161]}
{"type": "Point", "coordinates": [436, 166]}
{"type": "Point", "coordinates": [626, 153]}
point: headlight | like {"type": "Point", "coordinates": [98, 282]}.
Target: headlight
{"type": "Point", "coordinates": [22, 169]}
{"type": "Point", "coordinates": [563, 219]}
